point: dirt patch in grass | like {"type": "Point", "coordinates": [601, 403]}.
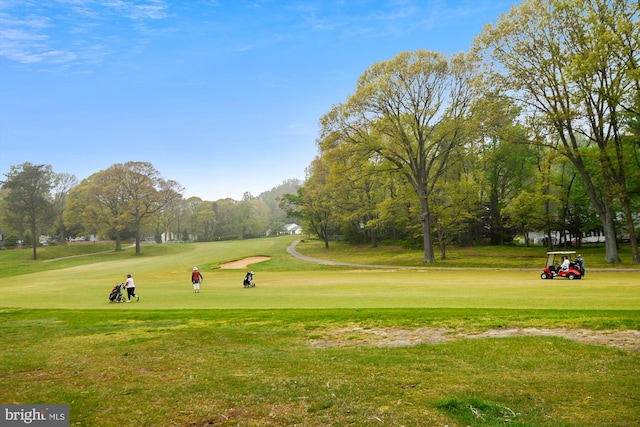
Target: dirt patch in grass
{"type": "Point", "coordinates": [628, 340]}
{"type": "Point", "coordinates": [242, 264]}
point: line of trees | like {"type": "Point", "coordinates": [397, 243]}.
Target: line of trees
{"type": "Point", "coordinates": [127, 202]}
{"type": "Point", "coordinates": [537, 128]}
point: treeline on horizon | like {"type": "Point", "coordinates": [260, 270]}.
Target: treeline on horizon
{"type": "Point", "coordinates": [127, 201]}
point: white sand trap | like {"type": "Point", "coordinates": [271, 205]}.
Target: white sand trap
{"type": "Point", "coordinates": [242, 264]}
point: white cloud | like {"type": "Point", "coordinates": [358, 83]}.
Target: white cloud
{"type": "Point", "coordinates": [154, 9]}
{"type": "Point", "coordinates": [73, 31]}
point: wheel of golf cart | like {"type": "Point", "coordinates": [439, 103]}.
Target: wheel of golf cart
{"type": "Point", "coordinates": [571, 276]}
{"type": "Point", "coordinates": [544, 275]}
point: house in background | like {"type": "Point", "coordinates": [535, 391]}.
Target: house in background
{"type": "Point", "coordinates": [291, 229]}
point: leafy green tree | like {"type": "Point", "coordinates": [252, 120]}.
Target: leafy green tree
{"type": "Point", "coordinates": [505, 164]}
{"type": "Point", "coordinates": [28, 196]}
{"type": "Point", "coordinates": [99, 204]}
{"type": "Point", "coordinates": [227, 225]}
{"type": "Point", "coordinates": [278, 217]}
{"type": "Point", "coordinates": [146, 193]}
{"type": "Point", "coordinates": [572, 66]}
{"type": "Point", "coordinates": [192, 207]}
{"type": "Point", "coordinates": [207, 222]}
{"type": "Point", "coordinates": [10, 221]}
{"type": "Point", "coordinates": [169, 221]}
{"type": "Point", "coordinates": [631, 160]}
{"type": "Point", "coordinates": [122, 197]}
{"type": "Point", "coordinates": [410, 111]}
{"type": "Point", "coordinates": [525, 212]}
{"type": "Point", "coordinates": [544, 171]}
{"type": "Point", "coordinates": [456, 205]}
{"type": "Point", "coordinates": [357, 187]}
{"type": "Point", "coordinates": [63, 183]}
{"type": "Point", "coordinates": [252, 215]}
{"type": "Point", "coordinates": [399, 211]}
{"type": "Point", "coordinates": [11, 241]}
{"type": "Point", "coordinates": [313, 203]}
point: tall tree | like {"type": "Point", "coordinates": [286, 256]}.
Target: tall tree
{"type": "Point", "coordinates": [227, 225]}
{"type": "Point", "coordinates": [572, 65]}
{"type": "Point", "coordinates": [169, 221]}
{"type": "Point", "coordinates": [277, 217]}
{"type": "Point", "coordinates": [525, 213]}
{"type": "Point", "coordinates": [410, 111]}
{"type": "Point", "coordinates": [122, 197]}
{"type": "Point", "coordinates": [456, 205]}
{"type": "Point", "coordinates": [28, 196]}
{"type": "Point", "coordinates": [146, 193]}
{"type": "Point", "coordinates": [313, 203]}
{"type": "Point", "coordinates": [63, 183]}
{"type": "Point", "coordinates": [252, 215]}
{"type": "Point", "coordinates": [99, 205]}
{"type": "Point", "coordinates": [193, 209]}
{"type": "Point", "coordinates": [356, 184]}
{"type": "Point", "coordinates": [503, 160]}
{"type": "Point", "coordinates": [207, 222]}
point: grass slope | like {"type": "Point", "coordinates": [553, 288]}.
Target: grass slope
{"type": "Point", "coordinates": [249, 357]}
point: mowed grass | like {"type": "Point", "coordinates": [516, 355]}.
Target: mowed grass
{"type": "Point", "coordinates": [267, 356]}
{"type": "Point", "coordinates": [507, 256]}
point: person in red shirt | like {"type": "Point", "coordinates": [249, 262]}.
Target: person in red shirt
{"type": "Point", "coordinates": [196, 278]}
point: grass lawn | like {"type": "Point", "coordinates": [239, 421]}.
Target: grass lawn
{"type": "Point", "coordinates": [317, 345]}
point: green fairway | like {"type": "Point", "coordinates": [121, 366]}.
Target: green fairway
{"type": "Point", "coordinates": [325, 289]}
{"type": "Point", "coordinates": [317, 345]}
{"type": "Point", "coordinates": [163, 282]}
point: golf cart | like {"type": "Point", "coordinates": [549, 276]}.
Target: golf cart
{"type": "Point", "coordinates": [553, 269]}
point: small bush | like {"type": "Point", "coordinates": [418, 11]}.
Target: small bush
{"type": "Point", "coordinates": [11, 242]}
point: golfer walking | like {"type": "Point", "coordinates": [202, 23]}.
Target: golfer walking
{"type": "Point", "coordinates": [196, 278]}
{"type": "Point", "coordinates": [131, 288]}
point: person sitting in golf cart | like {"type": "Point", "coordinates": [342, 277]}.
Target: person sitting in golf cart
{"type": "Point", "coordinates": [557, 268]}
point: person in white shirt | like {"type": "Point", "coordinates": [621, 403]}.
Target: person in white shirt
{"type": "Point", "coordinates": [565, 264]}
{"type": "Point", "coordinates": [131, 288]}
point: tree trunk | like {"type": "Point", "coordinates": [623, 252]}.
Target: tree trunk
{"type": "Point", "coordinates": [495, 222]}
{"type": "Point", "coordinates": [604, 205]}
{"type": "Point", "coordinates": [326, 237]}
{"type": "Point", "coordinates": [633, 238]}
{"type": "Point", "coordinates": [441, 242]}
{"type": "Point", "coordinates": [34, 238]}
{"type": "Point", "coordinates": [374, 238]}
{"type": "Point", "coordinates": [610, 244]}
{"type": "Point", "coordinates": [425, 218]}
{"type": "Point", "coordinates": [138, 240]}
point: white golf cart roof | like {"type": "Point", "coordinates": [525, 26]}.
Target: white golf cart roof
{"type": "Point", "coordinates": [561, 252]}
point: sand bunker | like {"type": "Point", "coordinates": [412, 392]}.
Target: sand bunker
{"type": "Point", "coordinates": [242, 264]}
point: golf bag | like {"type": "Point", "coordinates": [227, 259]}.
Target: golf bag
{"type": "Point", "coordinates": [117, 293]}
{"type": "Point", "coordinates": [248, 280]}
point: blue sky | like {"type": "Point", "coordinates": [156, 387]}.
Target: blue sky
{"type": "Point", "coordinates": [222, 96]}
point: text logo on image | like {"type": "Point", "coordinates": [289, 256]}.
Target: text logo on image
{"type": "Point", "coordinates": [34, 415]}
